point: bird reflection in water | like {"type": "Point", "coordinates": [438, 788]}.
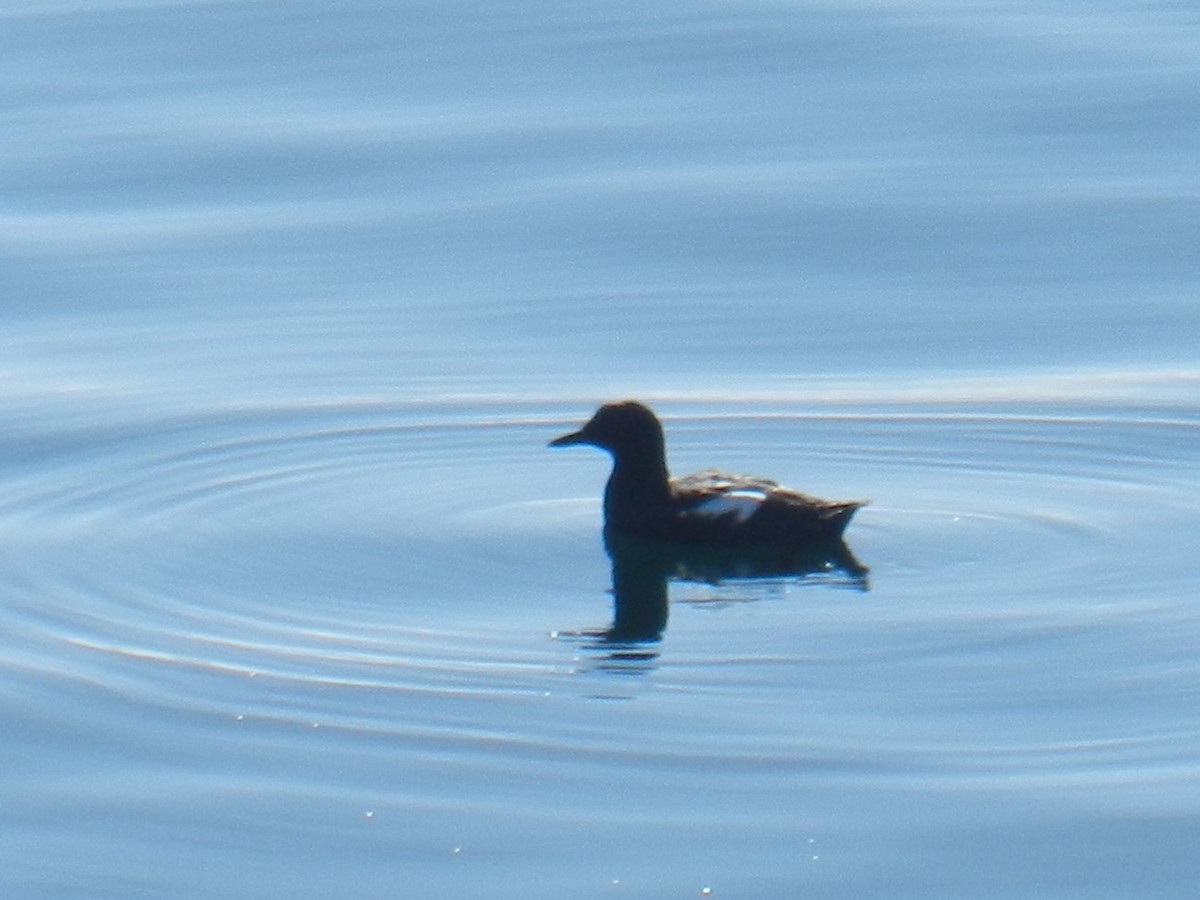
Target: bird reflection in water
{"type": "Point", "coordinates": [643, 568]}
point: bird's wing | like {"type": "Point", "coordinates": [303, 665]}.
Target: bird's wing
{"type": "Point", "coordinates": [719, 495]}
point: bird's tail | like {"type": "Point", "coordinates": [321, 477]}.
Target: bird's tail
{"type": "Point", "coordinates": [840, 514]}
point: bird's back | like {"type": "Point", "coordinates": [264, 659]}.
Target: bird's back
{"type": "Point", "coordinates": [720, 506]}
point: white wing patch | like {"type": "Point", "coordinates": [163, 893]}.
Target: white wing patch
{"type": "Point", "coordinates": [741, 505]}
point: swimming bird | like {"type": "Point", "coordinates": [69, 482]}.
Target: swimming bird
{"type": "Point", "coordinates": [708, 507]}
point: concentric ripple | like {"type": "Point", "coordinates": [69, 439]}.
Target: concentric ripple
{"type": "Point", "coordinates": [429, 549]}
{"type": "Point", "coordinates": [317, 546]}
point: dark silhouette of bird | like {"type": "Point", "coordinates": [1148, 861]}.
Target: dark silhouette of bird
{"type": "Point", "coordinates": [709, 507]}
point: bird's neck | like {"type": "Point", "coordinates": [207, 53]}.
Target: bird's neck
{"type": "Point", "coordinates": [638, 493]}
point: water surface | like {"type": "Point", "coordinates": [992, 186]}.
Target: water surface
{"type": "Point", "coordinates": [294, 598]}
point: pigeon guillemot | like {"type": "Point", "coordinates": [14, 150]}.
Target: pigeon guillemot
{"type": "Point", "coordinates": [708, 507]}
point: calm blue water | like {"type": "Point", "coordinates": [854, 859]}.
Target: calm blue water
{"type": "Point", "coordinates": [295, 602]}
